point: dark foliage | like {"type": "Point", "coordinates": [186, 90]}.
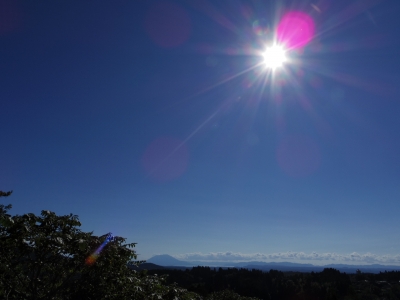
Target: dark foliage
{"type": "Point", "coordinates": [49, 257]}
{"type": "Point", "coordinates": [328, 284]}
{"type": "Point", "coordinates": [5, 194]}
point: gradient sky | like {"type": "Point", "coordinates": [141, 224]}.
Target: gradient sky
{"type": "Point", "coordinates": [155, 120]}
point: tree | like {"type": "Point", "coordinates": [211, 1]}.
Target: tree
{"type": "Point", "coordinates": [49, 257]}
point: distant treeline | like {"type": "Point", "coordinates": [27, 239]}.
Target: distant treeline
{"type": "Point", "coordinates": [328, 284]}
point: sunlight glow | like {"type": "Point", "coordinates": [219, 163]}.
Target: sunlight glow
{"type": "Point", "coordinates": [274, 57]}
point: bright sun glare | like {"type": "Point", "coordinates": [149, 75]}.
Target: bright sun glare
{"type": "Point", "coordinates": [274, 57]}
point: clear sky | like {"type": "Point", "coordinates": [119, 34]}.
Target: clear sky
{"type": "Point", "coordinates": [159, 121]}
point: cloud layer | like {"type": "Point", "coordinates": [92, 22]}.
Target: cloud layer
{"type": "Point", "coordinates": [367, 258]}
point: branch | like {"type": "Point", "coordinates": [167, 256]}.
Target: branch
{"type": "Point", "coordinates": [5, 194]}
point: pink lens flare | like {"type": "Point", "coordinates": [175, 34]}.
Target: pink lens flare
{"type": "Point", "coordinates": [10, 17]}
{"type": "Point", "coordinates": [295, 30]}
{"type": "Point", "coordinates": [298, 156]}
{"type": "Point", "coordinates": [165, 159]}
{"type": "Point", "coordinates": [168, 24]}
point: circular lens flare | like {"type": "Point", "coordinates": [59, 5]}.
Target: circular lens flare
{"type": "Point", "coordinates": [295, 30]}
{"type": "Point", "coordinates": [274, 57]}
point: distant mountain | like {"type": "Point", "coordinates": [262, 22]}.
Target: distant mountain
{"type": "Point", "coordinates": [296, 267]}
{"type": "Point", "coordinates": [167, 260]}
{"type": "Point", "coordinates": [285, 268]}
{"type": "Point", "coordinates": [271, 264]}
{"type": "Point", "coordinates": [374, 268]}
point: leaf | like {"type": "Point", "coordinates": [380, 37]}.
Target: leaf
{"type": "Point", "coordinates": [6, 221]}
{"type": "Point", "coordinates": [82, 245]}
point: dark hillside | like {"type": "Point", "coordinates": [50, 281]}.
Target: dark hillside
{"type": "Point", "coordinates": [328, 284]}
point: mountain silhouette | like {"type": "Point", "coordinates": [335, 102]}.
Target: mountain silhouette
{"type": "Point", "coordinates": [166, 260]}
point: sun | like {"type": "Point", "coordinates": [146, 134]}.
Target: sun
{"type": "Point", "coordinates": [274, 56]}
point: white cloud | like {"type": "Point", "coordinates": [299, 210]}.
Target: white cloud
{"type": "Point", "coordinates": [313, 257]}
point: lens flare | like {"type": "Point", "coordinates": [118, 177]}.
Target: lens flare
{"type": "Point", "coordinates": [166, 159]}
{"type": "Point", "coordinates": [95, 255]}
{"type": "Point", "coordinates": [168, 24]}
{"type": "Point", "coordinates": [295, 30]}
{"type": "Point", "coordinates": [298, 156]}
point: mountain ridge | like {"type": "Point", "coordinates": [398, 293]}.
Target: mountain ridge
{"type": "Point", "coordinates": [166, 260]}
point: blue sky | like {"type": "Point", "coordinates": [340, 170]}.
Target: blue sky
{"type": "Point", "coordinates": [158, 121]}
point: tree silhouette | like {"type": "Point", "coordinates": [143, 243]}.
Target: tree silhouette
{"type": "Point", "coordinates": [49, 257]}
